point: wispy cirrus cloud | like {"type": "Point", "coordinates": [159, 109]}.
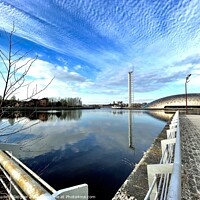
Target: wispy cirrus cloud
{"type": "Point", "coordinates": [93, 43]}
{"type": "Point", "coordinates": [172, 75]}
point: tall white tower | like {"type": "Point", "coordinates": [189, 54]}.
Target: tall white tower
{"type": "Point", "coordinates": [130, 89]}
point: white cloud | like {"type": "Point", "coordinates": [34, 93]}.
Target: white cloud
{"type": "Point", "coordinates": [106, 38]}
{"type": "Point", "coordinates": [41, 69]}
{"type": "Point", "coordinates": [40, 74]}
{"type": "Point", "coordinates": [77, 67]}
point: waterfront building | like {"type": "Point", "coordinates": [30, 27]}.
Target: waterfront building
{"type": "Point", "coordinates": [178, 101]}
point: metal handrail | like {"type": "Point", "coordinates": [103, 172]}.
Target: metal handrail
{"type": "Point", "coordinates": [173, 191]}
{"type": "Point", "coordinates": [175, 183]}
{"type": "Point", "coordinates": [24, 183]}
{"type": "Point", "coordinates": [12, 184]}
{"type": "Point", "coordinates": [48, 187]}
{"type": "Point", "coordinates": [154, 181]}
{"type": "Point", "coordinates": [166, 176]}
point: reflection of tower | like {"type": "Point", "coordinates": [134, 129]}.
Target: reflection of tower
{"type": "Point", "coordinates": [130, 89]}
{"type": "Point", "coordinates": [130, 130]}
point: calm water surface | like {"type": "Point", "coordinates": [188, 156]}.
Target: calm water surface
{"type": "Point", "coordinates": [98, 147]}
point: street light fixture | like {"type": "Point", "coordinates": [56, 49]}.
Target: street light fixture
{"type": "Point", "coordinates": [186, 81]}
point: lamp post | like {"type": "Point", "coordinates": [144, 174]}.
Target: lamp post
{"type": "Point", "coordinates": [186, 81]}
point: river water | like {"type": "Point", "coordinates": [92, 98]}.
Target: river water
{"type": "Point", "coordinates": [99, 147]}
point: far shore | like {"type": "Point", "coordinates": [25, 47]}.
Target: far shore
{"type": "Point", "coordinates": [47, 108]}
{"type": "Point", "coordinates": [169, 109]}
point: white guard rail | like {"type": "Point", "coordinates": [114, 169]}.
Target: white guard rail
{"type": "Point", "coordinates": [164, 179]}
{"type": "Point", "coordinates": [22, 183]}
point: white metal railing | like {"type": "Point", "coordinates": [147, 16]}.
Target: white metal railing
{"type": "Point", "coordinates": [22, 183]}
{"type": "Point", "coordinates": [164, 179]}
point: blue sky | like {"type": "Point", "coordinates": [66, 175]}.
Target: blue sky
{"type": "Point", "coordinates": [90, 45]}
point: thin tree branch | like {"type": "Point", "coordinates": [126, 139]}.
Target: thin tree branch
{"type": "Point", "coordinates": [15, 79]}
{"type": "Point", "coordinates": [3, 55]}
{"type": "Point", "coordinates": [2, 76]}
{"type": "Point", "coordinates": [4, 62]}
{"type": "Point", "coordinates": [16, 52]}
{"type": "Point", "coordinates": [21, 57]}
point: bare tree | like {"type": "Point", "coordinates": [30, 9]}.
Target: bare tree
{"type": "Point", "coordinates": [14, 67]}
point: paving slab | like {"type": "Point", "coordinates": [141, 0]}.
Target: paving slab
{"type": "Point", "coordinates": [190, 140]}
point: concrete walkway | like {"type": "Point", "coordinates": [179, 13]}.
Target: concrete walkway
{"type": "Point", "coordinates": [190, 140]}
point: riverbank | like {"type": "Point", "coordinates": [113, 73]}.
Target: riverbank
{"type": "Point", "coordinates": [136, 185]}
{"type": "Point", "coordinates": [7, 109]}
